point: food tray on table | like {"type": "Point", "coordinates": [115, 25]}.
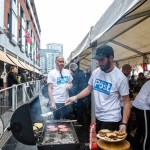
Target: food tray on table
{"type": "Point", "coordinates": [111, 136]}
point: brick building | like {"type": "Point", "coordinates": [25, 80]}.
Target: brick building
{"type": "Point", "coordinates": [17, 19]}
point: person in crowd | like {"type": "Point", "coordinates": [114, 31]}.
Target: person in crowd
{"type": "Point", "coordinates": [108, 84]}
{"type": "Point", "coordinates": [132, 85]}
{"type": "Point", "coordinates": [19, 78]}
{"type": "Point", "coordinates": [25, 76]}
{"type": "Point", "coordinates": [126, 69]}
{"type": "Point", "coordinates": [79, 83]}
{"type": "Point", "coordinates": [132, 82]}
{"type": "Point", "coordinates": [12, 76]}
{"type": "Point", "coordinates": [4, 79]}
{"type": "Point", "coordinates": [59, 83]}
{"type": "Point", "coordinates": [45, 80]}
{"type": "Point", "coordinates": [141, 107]}
{"type": "Point", "coordinates": [88, 98]}
{"type": "Point", "coordinates": [141, 79]}
{"type": "Point", "coordinates": [11, 80]}
{"type": "Point", "coordinates": [1, 83]}
{"type": "Point", "coordinates": [45, 88]}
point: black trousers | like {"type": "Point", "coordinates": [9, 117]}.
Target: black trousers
{"type": "Point", "coordinates": [63, 113]}
{"type": "Point", "coordinates": [10, 97]}
{"type": "Point", "coordinates": [78, 110]}
{"type": "Point", "coordinates": [106, 125]}
{"type": "Point", "coordinates": [142, 135]}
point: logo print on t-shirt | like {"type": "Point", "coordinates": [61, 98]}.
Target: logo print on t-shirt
{"type": "Point", "coordinates": [102, 86]}
{"type": "Point", "coordinates": [62, 80]}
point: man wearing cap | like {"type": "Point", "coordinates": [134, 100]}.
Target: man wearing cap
{"type": "Point", "coordinates": [108, 84]}
{"type": "Point", "coordinates": [79, 83]}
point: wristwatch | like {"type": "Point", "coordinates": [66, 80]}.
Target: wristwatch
{"type": "Point", "coordinates": [123, 124]}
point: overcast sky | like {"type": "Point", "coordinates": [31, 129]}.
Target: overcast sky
{"type": "Point", "coordinates": [68, 21]}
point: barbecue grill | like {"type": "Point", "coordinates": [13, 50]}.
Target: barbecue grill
{"type": "Point", "coordinates": [21, 126]}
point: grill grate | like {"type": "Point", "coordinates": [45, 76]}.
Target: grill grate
{"type": "Point", "coordinates": [59, 137]}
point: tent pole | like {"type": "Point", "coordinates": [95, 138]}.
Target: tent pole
{"type": "Point", "coordinates": [93, 67]}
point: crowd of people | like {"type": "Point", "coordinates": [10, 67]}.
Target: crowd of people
{"type": "Point", "coordinates": [14, 76]}
{"type": "Point", "coordinates": [112, 89]}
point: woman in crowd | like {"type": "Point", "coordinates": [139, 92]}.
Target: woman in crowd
{"type": "Point", "coordinates": [12, 79]}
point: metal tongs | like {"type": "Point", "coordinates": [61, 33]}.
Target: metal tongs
{"type": "Point", "coordinates": [51, 112]}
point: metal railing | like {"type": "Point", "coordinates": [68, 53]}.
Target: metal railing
{"type": "Point", "coordinates": [13, 97]}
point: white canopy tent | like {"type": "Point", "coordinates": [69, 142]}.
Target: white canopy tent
{"type": "Point", "coordinates": [126, 27]}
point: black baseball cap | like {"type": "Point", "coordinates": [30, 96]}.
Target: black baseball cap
{"type": "Point", "coordinates": [103, 51]}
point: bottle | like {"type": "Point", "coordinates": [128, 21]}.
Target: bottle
{"type": "Point", "coordinates": [93, 137]}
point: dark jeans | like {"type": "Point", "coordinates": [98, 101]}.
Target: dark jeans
{"type": "Point", "coordinates": [10, 97]}
{"type": "Point", "coordinates": [63, 113]}
{"type": "Point", "coordinates": [142, 135]}
{"type": "Point", "coordinates": [78, 111]}
{"type": "Point", "coordinates": [106, 125]}
{"type": "Point", "coordinates": [88, 103]}
{"type": "Point", "coordinates": [129, 127]}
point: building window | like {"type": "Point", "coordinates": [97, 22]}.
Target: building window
{"type": "Point", "coordinates": [2, 13]}
{"type": "Point", "coordinates": [13, 22]}
{"type": "Point", "coordinates": [23, 39]}
{"type": "Point", "coordinates": [14, 27]}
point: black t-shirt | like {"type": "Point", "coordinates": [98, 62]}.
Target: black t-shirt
{"type": "Point", "coordinates": [11, 79]}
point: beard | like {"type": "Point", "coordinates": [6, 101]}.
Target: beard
{"type": "Point", "coordinates": [106, 67]}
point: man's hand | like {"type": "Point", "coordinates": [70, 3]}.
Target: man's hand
{"type": "Point", "coordinates": [52, 105]}
{"type": "Point", "coordinates": [122, 128]}
{"type": "Point", "coordinates": [71, 100]}
{"type": "Point", "coordinates": [68, 86]}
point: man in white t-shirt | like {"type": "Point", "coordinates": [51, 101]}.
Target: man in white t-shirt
{"type": "Point", "coordinates": [59, 82]}
{"type": "Point", "coordinates": [108, 84]}
{"type": "Point", "coordinates": [126, 69]}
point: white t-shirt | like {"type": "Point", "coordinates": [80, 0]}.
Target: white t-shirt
{"type": "Point", "coordinates": [60, 93]}
{"type": "Point", "coordinates": [142, 100]}
{"type": "Point", "coordinates": [108, 89]}
{"type": "Point", "coordinates": [122, 102]}
{"type": "Point", "coordinates": [4, 77]}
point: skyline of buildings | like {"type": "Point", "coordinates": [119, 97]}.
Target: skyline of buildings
{"type": "Point", "coordinates": [48, 55]}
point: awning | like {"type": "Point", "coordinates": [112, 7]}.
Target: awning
{"type": "Point", "coordinates": [31, 68]}
{"type": "Point", "coordinates": [125, 27]}
{"type": "Point", "coordinates": [23, 64]}
{"type": "Point", "coordinates": [36, 70]}
{"type": "Point", "coordinates": [4, 58]}
{"type": "Point", "coordinates": [15, 61]}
